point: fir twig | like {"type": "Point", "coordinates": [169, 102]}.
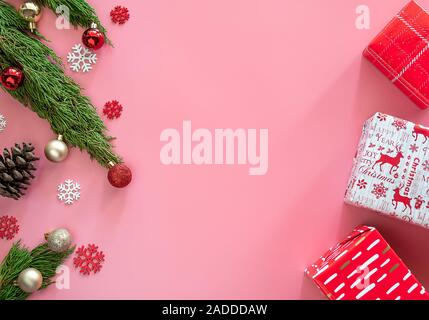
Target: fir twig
{"type": "Point", "coordinates": [49, 92]}
{"type": "Point", "coordinates": [81, 13]}
{"type": "Point", "coordinates": [20, 258]}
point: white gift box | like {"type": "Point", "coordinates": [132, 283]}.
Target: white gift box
{"type": "Point", "coordinates": [391, 169]}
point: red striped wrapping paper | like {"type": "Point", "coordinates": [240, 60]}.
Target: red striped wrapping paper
{"type": "Point", "coordinates": [365, 267]}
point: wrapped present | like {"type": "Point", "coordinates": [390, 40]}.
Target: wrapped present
{"type": "Point", "coordinates": [401, 52]}
{"type": "Point", "coordinates": [365, 267]}
{"type": "Point", "coordinates": [391, 169]}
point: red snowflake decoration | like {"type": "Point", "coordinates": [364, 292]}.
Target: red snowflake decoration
{"type": "Point", "coordinates": [8, 227]}
{"type": "Point", "coordinates": [120, 15]}
{"type": "Point", "coordinates": [414, 148]}
{"type": "Point", "coordinates": [88, 259]}
{"type": "Point", "coordinates": [379, 190]}
{"type": "Point", "coordinates": [382, 117]}
{"type": "Point", "coordinates": [426, 165]}
{"type": "Point", "coordinates": [362, 184]}
{"type": "Point", "coordinates": [112, 109]}
{"type": "Point", "coordinates": [419, 202]}
{"type": "Point", "coordinates": [399, 124]}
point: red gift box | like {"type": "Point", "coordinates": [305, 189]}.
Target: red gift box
{"type": "Point", "coordinates": [401, 52]}
{"type": "Point", "coordinates": [365, 267]}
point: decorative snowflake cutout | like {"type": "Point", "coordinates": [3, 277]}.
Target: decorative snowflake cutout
{"type": "Point", "coordinates": [8, 227]}
{"type": "Point", "coordinates": [419, 202]}
{"type": "Point", "coordinates": [362, 184]}
{"type": "Point", "coordinates": [88, 259]}
{"type": "Point", "coordinates": [414, 148]}
{"type": "Point", "coordinates": [3, 123]}
{"type": "Point", "coordinates": [426, 165]}
{"type": "Point", "coordinates": [81, 58]}
{"type": "Point", "coordinates": [399, 124]}
{"type": "Point", "coordinates": [69, 191]}
{"type": "Point", "coordinates": [382, 117]}
{"type": "Point", "coordinates": [112, 109]}
{"type": "Point", "coordinates": [119, 15]}
{"type": "Point", "coordinates": [379, 190]}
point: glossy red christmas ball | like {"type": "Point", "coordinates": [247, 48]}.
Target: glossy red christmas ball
{"type": "Point", "coordinates": [93, 38]}
{"type": "Point", "coordinates": [12, 78]}
{"type": "Point", "coordinates": [120, 175]}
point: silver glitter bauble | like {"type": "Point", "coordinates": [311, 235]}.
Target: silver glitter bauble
{"type": "Point", "coordinates": [59, 240]}
{"type": "Point", "coordinates": [56, 150]}
{"type": "Point", "coordinates": [30, 280]}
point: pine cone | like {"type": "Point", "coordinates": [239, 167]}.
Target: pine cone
{"type": "Point", "coordinates": [15, 170]}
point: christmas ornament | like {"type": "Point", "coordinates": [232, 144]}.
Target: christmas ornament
{"type": "Point", "coordinates": [3, 123]}
{"type": "Point", "coordinates": [112, 109]}
{"type": "Point", "coordinates": [30, 280]}
{"type": "Point", "coordinates": [88, 259]}
{"type": "Point", "coordinates": [59, 240]}
{"type": "Point", "coordinates": [119, 15]}
{"type": "Point", "coordinates": [81, 58]}
{"type": "Point", "coordinates": [93, 38]}
{"type": "Point", "coordinates": [119, 175]}
{"type": "Point", "coordinates": [31, 12]}
{"type": "Point", "coordinates": [56, 150]}
{"type": "Point", "coordinates": [12, 78]}
{"type": "Point", "coordinates": [15, 170]}
{"type": "Point", "coordinates": [8, 227]}
{"type": "Point", "coordinates": [69, 192]}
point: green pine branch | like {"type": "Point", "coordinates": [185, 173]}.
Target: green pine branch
{"type": "Point", "coordinates": [49, 92]}
{"type": "Point", "coordinates": [20, 258]}
{"type": "Point", "coordinates": [81, 13]}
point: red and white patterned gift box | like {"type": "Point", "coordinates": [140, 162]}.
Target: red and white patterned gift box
{"type": "Point", "coordinates": [391, 169]}
{"type": "Point", "coordinates": [401, 52]}
{"type": "Point", "coordinates": [365, 267]}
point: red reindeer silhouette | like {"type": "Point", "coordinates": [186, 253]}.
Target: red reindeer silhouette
{"type": "Point", "coordinates": [398, 198]}
{"type": "Point", "coordinates": [393, 161]}
{"type": "Point", "coordinates": [420, 130]}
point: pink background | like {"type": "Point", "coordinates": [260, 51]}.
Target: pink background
{"type": "Point", "coordinates": [293, 67]}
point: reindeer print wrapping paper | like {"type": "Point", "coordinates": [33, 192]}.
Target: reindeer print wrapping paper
{"type": "Point", "coordinates": [391, 169]}
{"type": "Point", "coordinates": [365, 267]}
{"type": "Point", "coordinates": [401, 53]}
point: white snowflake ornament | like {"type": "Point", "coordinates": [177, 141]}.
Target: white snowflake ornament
{"type": "Point", "coordinates": [3, 123]}
{"type": "Point", "coordinates": [81, 58]}
{"type": "Point", "coordinates": [69, 191]}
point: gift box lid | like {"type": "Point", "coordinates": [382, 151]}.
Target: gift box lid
{"type": "Point", "coordinates": [400, 52]}
{"type": "Point", "coordinates": [334, 254]}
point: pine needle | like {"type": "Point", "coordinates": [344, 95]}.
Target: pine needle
{"type": "Point", "coordinates": [48, 91]}
{"type": "Point", "coordinates": [20, 258]}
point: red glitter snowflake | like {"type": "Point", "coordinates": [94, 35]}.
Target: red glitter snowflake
{"type": "Point", "coordinates": [414, 148]}
{"type": "Point", "coordinates": [382, 117]}
{"type": "Point", "coordinates": [88, 259]}
{"type": "Point", "coordinates": [112, 109]}
{"type": "Point", "coordinates": [8, 227]}
{"type": "Point", "coordinates": [120, 15]}
{"type": "Point", "coordinates": [399, 124]}
{"type": "Point", "coordinates": [379, 190]}
{"type": "Point", "coordinates": [362, 184]}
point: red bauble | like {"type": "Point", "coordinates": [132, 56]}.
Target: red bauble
{"type": "Point", "coordinates": [93, 38]}
{"type": "Point", "coordinates": [120, 175]}
{"type": "Point", "coordinates": [12, 78]}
